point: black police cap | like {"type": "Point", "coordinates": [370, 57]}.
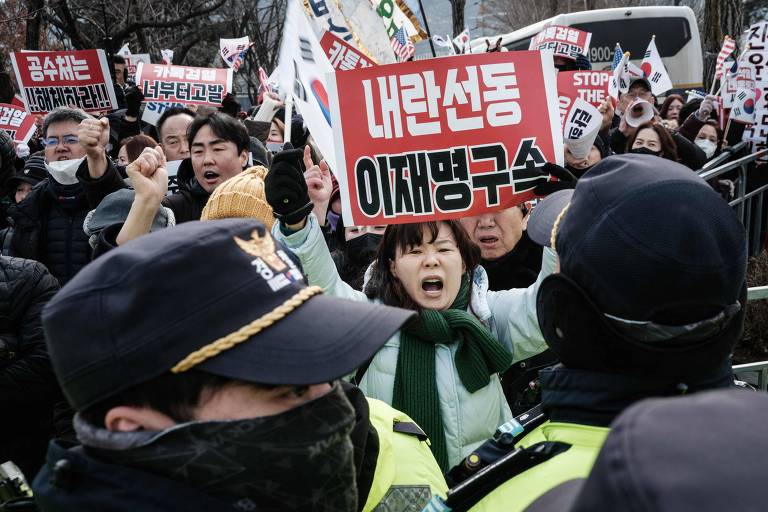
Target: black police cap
{"type": "Point", "coordinates": [220, 296]}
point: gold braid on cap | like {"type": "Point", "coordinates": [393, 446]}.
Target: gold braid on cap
{"type": "Point", "coordinates": [556, 226]}
{"type": "Point", "coordinates": [230, 340]}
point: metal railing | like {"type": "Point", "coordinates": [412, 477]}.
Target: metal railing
{"type": "Point", "coordinates": [749, 206]}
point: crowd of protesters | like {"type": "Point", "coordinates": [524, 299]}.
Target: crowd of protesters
{"type": "Point", "coordinates": [233, 345]}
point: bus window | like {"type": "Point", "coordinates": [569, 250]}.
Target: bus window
{"type": "Point", "coordinates": [633, 34]}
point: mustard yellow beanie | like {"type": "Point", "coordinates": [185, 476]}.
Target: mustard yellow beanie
{"type": "Point", "coordinates": [241, 196]}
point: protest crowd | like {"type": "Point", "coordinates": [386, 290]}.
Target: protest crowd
{"type": "Point", "coordinates": [457, 283]}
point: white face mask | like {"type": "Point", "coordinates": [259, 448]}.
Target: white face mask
{"type": "Point", "coordinates": [64, 171]}
{"type": "Point", "coordinates": [707, 146]}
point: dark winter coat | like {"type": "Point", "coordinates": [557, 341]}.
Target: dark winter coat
{"type": "Point", "coordinates": [46, 230]}
{"type": "Point", "coordinates": [28, 387]}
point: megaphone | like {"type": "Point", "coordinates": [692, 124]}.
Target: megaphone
{"type": "Point", "coordinates": [639, 112]}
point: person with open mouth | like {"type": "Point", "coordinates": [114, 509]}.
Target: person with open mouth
{"type": "Point", "coordinates": [442, 368]}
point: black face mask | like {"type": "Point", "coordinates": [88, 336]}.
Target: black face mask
{"type": "Point", "coordinates": [362, 250]}
{"type": "Point", "coordinates": [644, 151]}
{"type": "Point", "coordinates": [300, 459]}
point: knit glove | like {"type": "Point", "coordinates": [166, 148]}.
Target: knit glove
{"type": "Point", "coordinates": [565, 179]}
{"type": "Point", "coordinates": [133, 99]}
{"type": "Point", "coordinates": [285, 188]}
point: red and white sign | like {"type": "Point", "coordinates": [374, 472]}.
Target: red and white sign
{"type": "Point", "coordinates": [183, 84]}
{"type": "Point", "coordinates": [132, 62]}
{"type": "Point", "coordinates": [443, 138]}
{"type": "Point", "coordinates": [590, 86]}
{"type": "Point", "coordinates": [562, 41]}
{"type": "Point", "coordinates": [67, 78]}
{"type": "Point", "coordinates": [343, 56]}
{"type": "Point", "coordinates": [15, 120]}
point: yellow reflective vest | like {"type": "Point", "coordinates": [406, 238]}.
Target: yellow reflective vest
{"type": "Point", "coordinates": [407, 474]}
{"type": "Point", "coordinates": [520, 491]}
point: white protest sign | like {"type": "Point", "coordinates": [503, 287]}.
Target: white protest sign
{"type": "Point", "coordinates": [172, 168]}
{"type": "Point", "coordinates": [153, 111]}
{"type": "Point", "coordinates": [582, 124]}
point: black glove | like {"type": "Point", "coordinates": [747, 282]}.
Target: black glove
{"type": "Point", "coordinates": [286, 189]}
{"type": "Point", "coordinates": [566, 180]}
{"type": "Point", "coordinates": [133, 99]}
{"type": "Point", "coordinates": [582, 62]}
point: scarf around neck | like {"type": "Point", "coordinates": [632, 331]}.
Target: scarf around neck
{"type": "Point", "coordinates": [478, 356]}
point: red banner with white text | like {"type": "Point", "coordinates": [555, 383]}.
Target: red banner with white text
{"type": "Point", "coordinates": [79, 79]}
{"type": "Point", "coordinates": [443, 138]}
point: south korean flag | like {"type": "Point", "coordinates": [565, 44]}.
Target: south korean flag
{"type": "Point", "coordinates": [654, 70]}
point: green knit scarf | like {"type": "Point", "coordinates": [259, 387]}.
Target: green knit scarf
{"type": "Point", "coordinates": [479, 356]}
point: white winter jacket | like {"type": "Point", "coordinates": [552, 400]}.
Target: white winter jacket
{"type": "Point", "coordinates": [510, 315]}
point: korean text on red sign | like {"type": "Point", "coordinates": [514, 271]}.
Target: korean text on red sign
{"type": "Point", "coordinates": [48, 80]}
{"type": "Point", "coordinates": [343, 56]}
{"type": "Point", "coordinates": [590, 86]}
{"type": "Point", "coordinates": [562, 41]}
{"type": "Point", "coordinates": [14, 120]}
{"type": "Point", "coordinates": [182, 84]}
{"type": "Point", "coordinates": [443, 138]}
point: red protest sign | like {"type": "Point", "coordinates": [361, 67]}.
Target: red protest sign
{"type": "Point", "coordinates": [183, 84]}
{"type": "Point", "coordinates": [67, 78]}
{"type": "Point", "coordinates": [343, 56]}
{"type": "Point", "coordinates": [443, 138]}
{"type": "Point", "coordinates": [15, 120]}
{"type": "Point", "coordinates": [590, 86]}
{"type": "Point", "coordinates": [565, 42]}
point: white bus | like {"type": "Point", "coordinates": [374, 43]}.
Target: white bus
{"type": "Point", "coordinates": [677, 38]}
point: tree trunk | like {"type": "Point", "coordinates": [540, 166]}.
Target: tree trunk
{"type": "Point", "coordinates": [457, 10]}
{"type": "Point", "coordinates": [721, 18]}
{"type": "Point", "coordinates": [33, 24]}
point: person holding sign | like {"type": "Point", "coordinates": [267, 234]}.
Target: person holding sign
{"type": "Point", "coordinates": [442, 370]}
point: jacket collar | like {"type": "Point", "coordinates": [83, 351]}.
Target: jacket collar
{"type": "Point", "coordinates": [72, 480]}
{"type": "Point", "coordinates": [592, 398]}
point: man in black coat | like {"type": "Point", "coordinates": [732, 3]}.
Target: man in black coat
{"type": "Point", "coordinates": [48, 224]}
{"type": "Point", "coordinates": [28, 388]}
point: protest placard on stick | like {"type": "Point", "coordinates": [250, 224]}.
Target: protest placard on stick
{"type": "Point", "coordinates": [183, 84]}
{"type": "Point", "coordinates": [342, 55]}
{"type": "Point", "coordinates": [562, 41]}
{"type": "Point", "coordinates": [48, 80]}
{"type": "Point", "coordinates": [590, 86]}
{"type": "Point", "coordinates": [15, 120]}
{"type": "Point", "coordinates": [443, 138]}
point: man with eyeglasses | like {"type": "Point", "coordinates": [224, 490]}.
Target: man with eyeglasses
{"type": "Point", "coordinates": [48, 223]}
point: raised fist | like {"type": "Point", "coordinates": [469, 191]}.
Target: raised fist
{"type": "Point", "coordinates": [148, 175]}
{"type": "Point", "coordinates": [94, 136]}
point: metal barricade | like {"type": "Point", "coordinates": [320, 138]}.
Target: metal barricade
{"type": "Point", "coordinates": [750, 206]}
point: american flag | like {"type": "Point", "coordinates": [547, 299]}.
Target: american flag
{"type": "Point", "coordinates": [617, 56]}
{"type": "Point", "coordinates": [402, 45]}
{"type": "Point", "coordinates": [729, 45]}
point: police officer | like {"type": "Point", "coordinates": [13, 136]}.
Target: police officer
{"type": "Point", "coordinates": [649, 302]}
{"type": "Point", "coordinates": [205, 376]}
